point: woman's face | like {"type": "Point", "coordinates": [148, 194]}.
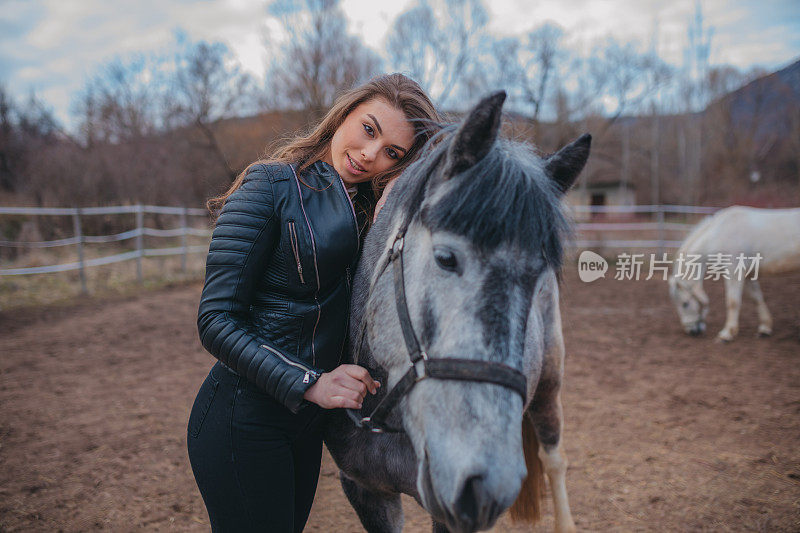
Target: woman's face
{"type": "Point", "coordinates": [372, 139]}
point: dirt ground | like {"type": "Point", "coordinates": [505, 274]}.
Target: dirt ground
{"type": "Point", "coordinates": [663, 432]}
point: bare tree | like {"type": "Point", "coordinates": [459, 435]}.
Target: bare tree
{"type": "Point", "coordinates": [540, 53]}
{"type": "Point", "coordinates": [437, 43]}
{"type": "Point", "coordinates": [524, 66]}
{"type": "Point", "coordinates": [26, 131]}
{"type": "Point", "coordinates": [625, 77]}
{"type": "Point", "coordinates": [9, 142]}
{"type": "Point", "coordinates": [122, 101]}
{"type": "Point", "coordinates": [695, 69]}
{"type": "Point", "coordinates": [319, 59]}
{"type": "Point", "coordinates": [208, 86]}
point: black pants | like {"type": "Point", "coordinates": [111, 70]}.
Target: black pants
{"type": "Point", "coordinates": [255, 462]}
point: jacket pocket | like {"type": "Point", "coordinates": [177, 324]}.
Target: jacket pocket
{"type": "Point", "coordinates": [202, 404]}
{"type": "Point", "coordinates": [282, 330]}
{"type": "Point", "coordinates": [296, 250]}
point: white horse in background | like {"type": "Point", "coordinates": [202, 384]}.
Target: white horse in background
{"type": "Point", "coordinates": [735, 232]}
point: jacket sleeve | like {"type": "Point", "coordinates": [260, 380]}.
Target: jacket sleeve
{"type": "Point", "coordinates": [246, 234]}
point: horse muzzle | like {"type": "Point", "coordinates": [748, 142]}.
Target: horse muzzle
{"type": "Point", "coordinates": [696, 329]}
{"type": "Point", "coordinates": [472, 504]}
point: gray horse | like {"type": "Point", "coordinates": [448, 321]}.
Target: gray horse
{"type": "Point", "coordinates": [480, 227]}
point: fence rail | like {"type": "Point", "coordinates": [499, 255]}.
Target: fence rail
{"type": "Point", "coordinates": [79, 239]}
{"type": "Point", "coordinates": [112, 210]}
{"type": "Point", "coordinates": [687, 209]}
{"type": "Point", "coordinates": [660, 226]}
{"type": "Point", "coordinates": [184, 230]}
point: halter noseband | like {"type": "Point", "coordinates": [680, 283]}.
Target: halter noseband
{"type": "Point", "coordinates": [422, 367]}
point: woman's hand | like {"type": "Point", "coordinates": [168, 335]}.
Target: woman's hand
{"type": "Point", "coordinates": [345, 386]}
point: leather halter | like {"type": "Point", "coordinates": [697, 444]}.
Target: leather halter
{"type": "Point", "coordinates": [423, 367]}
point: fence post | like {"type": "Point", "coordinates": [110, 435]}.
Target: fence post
{"type": "Point", "coordinates": [76, 224]}
{"type": "Point", "coordinates": [139, 241]}
{"type": "Point", "coordinates": [184, 243]}
{"type": "Point", "coordinates": [661, 228]}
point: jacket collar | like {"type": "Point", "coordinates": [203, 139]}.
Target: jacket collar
{"type": "Point", "coordinates": [327, 171]}
{"type": "Point", "coordinates": [324, 169]}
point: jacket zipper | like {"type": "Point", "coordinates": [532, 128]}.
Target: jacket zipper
{"type": "Point", "coordinates": [347, 322]}
{"type": "Point", "coordinates": [295, 249]}
{"type": "Point", "coordinates": [316, 267]}
{"type": "Point", "coordinates": [353, 211]}
{"type": "Point", "coordinates": [347, 270]}
{"type": "Point", "coordinates": [286, 360]}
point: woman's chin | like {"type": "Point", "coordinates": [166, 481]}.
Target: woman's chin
{"type": "Point", "coordinates": [353, 179]}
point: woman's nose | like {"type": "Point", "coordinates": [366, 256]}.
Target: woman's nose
{"type": "Point", "coordinates": [370, 152]}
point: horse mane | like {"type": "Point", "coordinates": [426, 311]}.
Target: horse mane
{"type": "Point", "coordinates": [696, 233]}
{"type": "Point", "coordinates": [505, 198]}
{"type": "Point", "coordinates": [527, 508]}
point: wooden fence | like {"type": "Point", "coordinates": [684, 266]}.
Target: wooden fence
{"type": "Point", "coordinates": [601, 219]}
{"type": "Point", "coordinates": [79, 239]}
{"type": "Point", "coordinates": [667, 235]}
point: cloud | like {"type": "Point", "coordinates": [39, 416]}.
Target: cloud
{"type": "Point", "coordinates": [54, 46]}
{"type": "Point", "coordinates": [746, 32]}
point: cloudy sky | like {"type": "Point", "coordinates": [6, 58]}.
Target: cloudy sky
{"type": "Point", "coordinates": [54, 46]}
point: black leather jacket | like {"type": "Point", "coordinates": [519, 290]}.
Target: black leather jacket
{"type": "Point", "coordinates": [275, 303]}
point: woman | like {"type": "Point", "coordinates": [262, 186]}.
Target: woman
{"type": "Point", "coordinates": [275, 304]}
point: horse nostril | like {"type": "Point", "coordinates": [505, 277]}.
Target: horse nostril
{"type": "Point", "coordinates": [469, 503]}
{"type": "Point", "coordinates": [697, 329]}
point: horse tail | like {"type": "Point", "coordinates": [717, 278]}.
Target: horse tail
{"type": "Point", "coordinates": [528, 506]}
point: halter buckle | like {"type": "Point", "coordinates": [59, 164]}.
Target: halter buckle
{"type": "Point", "coordinates": [367, 422]}
{"type": "Point", "coordinates": [421, 367]}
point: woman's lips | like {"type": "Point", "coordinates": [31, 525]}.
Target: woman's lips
{"type": "Point", "coordinates": [354, 167]}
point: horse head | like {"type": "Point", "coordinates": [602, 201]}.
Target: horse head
{"type": "Point", "coordinates": [691, 303]}
{"type": "Point", "coordinates": [482, 228]}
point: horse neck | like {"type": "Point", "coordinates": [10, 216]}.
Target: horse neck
{"type": "Point", "coordinates": [373, 256]}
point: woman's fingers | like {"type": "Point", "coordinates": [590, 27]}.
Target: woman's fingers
{"type": "Point", "coordinates": [354, 385]}
{"type": "Point", "coordinates": [360, 373]}
{"type": "Point", "coordinates": [345, 386]}
{"type": "Point", "coordinates": [345, 403]}
{"type": "Point", "coordinates": [350, 395]}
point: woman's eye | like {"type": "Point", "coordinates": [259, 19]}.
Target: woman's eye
{"type": "Point", "coordinates": [445, 259]}
{"type": "Point", "coordinates": [369, 130]}
{"type": "Point", "coordinates": [685, 305]}
{"type": "Point", "coordinates": [392, 153]}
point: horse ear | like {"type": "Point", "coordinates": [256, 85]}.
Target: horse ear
{"type": "Point", "coordinates": [697, 290]}
{"type": "Point", "coordinates": [476, 135]}
{"type": "Point", "coordinates": [565, 165]}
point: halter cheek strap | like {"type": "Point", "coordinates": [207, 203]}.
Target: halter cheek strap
{"type": "Point", "coordinates": [421, 366]}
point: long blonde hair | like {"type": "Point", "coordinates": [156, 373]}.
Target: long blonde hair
{"type": "Point", "coordinates": [398, 90]}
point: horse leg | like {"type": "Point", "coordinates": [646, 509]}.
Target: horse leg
{"type": "Point", "coordinates": [733, 303]}
{"type": "Point", "coordinates": [546, 414]}
{"type": "Point", "coordinates": [379, 512]}
{"type": "Point", "coordinates": [764, 317]}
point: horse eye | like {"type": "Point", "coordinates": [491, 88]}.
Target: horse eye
{"type": "Point", "coordinates": [445, 259]}
{"type": "Point", "coordinates": [685, 305]}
